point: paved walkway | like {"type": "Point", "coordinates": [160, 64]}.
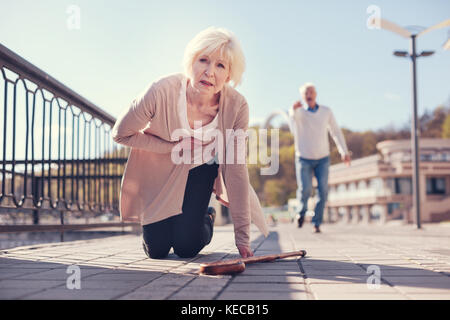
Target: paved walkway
{"type": "Point", "coordinates": [344, 262]}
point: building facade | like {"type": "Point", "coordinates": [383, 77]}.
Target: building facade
{"type": "Point", "coordinates": [380, 187]}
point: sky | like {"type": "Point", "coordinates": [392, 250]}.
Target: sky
{"type": "Point", "coordinates": [123, 46]}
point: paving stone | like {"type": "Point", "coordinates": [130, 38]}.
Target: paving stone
{"type": "Point", "coordinates": [437, 282]}
{"type": "Point", "coordinates": [359, 296]}
{"type": "Point", "coordinates": [103, 284]}
{"type": "Point", "coordinates": [267, 287]}
{"type": "Point", "coordinates": [271, 272]}
{"type": "Point", "coordinates": [268, 279]}
{"type": "Point", "coordinates": [12, 294]}
{"type": "Point", "coordinates": [74, 294]}
{"type": "Point", "coordinates": [330, 272]}
{"type": "Point", "coordinates": [273, 266]}
{"type": "Point", "coordinates": [122, 276]}
{"type": "Point", "coordinates": [408, 289]}
{"type": "Point", "coordinates": [168, 282]}
{"type": "Point", "coordinates": [15, 273]}
{"type": "Point", "coordinates": [336, 279]}
{"type": "Point", "coordinates": [28, 284]}
{"type": "Point", "coordinates": [329, 265]}
{"type": "Point", "coordinates": [35, 265]}
{"type": "Point", "coordinates": [200, 295]}
{"type": "Point", "coordinates": [198, 289]}
{"type": "Point", "coordinates": [350, 288]}
{"type": "Point", "coordinates": [4, 260]}
{"type": "Point", "coordinates": [142, 268]}
{"type": "Point", "coordinates": [384, 266]}
{"type": "Point", "coordinates": [258, 295]}
{"type": "Point", "coordinates": [206, 280]}
{"type": "Point", "coordinates": [58, 274]}
{"type": "Point", "coordinates": [429, 296]}
{"type": "Point", "coordinates": [407, 272]}
{"type": "Point", "coordinates": [147, 295]}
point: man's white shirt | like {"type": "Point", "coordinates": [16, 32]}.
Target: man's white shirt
{"type": "Point", "coordinates": [311, 129]}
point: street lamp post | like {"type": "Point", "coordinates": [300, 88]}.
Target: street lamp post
{"type": "Point", "coordinates": [390, 26]}
{"type": "Point", "coordinates": [415, 133]}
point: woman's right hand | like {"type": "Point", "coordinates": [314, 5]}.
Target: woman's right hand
{"type": "Point", "coordinates": [245, 252]}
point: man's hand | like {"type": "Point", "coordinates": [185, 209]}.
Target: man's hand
{"type": "Point", "coordinates": [297, 104]}
{"type": "Point", "coordinates": [245, 252]}
{"type": "Point", "coordinates": [347, 159]}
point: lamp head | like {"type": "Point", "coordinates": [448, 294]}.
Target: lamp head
{"type": "Point", "coordinates": [426, 53]}
{"type": "Point", "coordinates": [401, 53]}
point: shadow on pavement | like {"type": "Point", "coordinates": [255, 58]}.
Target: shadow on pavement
{"type": "Point", "coordinates": [320, 271]}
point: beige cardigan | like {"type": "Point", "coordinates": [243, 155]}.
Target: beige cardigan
{"type": "Point", "coordinates": [153, 186]}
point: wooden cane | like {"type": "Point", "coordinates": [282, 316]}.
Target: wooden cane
{"type": "Point", "coordinates": [238, 265]}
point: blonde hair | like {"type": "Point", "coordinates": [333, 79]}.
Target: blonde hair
{"type": "Point", "coordinates": [304, 87]}
{"type": "Point", "coordinates": [210, 40]}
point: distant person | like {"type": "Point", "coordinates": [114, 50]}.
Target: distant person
{"type": "Point", "coordinates": [310, 126]}
{"type": "Point", "coordinates": [171, 199]}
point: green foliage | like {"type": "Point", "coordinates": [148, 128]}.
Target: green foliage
{"type": "Point", "coordinates": [446, 127]}
{"type": "Point", "coordinates": [431, 124]}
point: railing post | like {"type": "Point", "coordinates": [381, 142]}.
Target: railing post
{"type": "Point", "coordinates": [35, 216]}
{"type": "Point", "coordinates": [36, 195]}
{"type": "Point", "coordinates": [61, 217]}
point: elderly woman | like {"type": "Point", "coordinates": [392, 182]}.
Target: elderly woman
{"type": "Point", "coordinates": [170, 197]}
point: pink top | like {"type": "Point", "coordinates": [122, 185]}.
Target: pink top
{"type": "Point", "coordinates": [200, 133]}
{"type": "Point", "coordinates": [153, 185]}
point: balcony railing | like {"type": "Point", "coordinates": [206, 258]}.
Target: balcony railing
{"type": "Point", "coordinates": [57, 154]}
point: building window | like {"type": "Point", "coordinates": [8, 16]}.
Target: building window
{"type": "Point", "coordinates": [376, 183]}
{"type": "Point", "coordinates": [352, 187]}
{"type": "Point", "coordinates": [390, 184]}
{"type": "Point", "coordinates": [436, 185]}
{"type": "Point", "coordinates": [436, 157]}
{"type": "Point", "coordinates": [403, 186]}
{"type": "Point", "coordinates": [362, 185]}
{"type": "Point", "coordinates": [392, 207]}
{"type": "Point", "coordinates": [406, 157]}
{"type": "Point", "coordinates": [445, 156]}
{"type": "Point", "coordinates": [341, 188]}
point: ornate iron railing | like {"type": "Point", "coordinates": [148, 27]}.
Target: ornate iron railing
{"type": "Point", "coordinates": [57, 153]}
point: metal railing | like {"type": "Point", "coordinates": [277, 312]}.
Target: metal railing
{"type": "Point", "coordinates": [57, 153]}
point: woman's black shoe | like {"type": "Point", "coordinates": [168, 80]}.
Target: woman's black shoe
{"type": "Point", "coordinates": [212, 214]}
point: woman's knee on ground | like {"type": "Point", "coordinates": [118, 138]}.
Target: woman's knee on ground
{"type": "Point", "coordinates": [154, 252]}
{"type": "Point", "coordinates": [186, 252]}
{"type": "Point", "coordinates": [188, 248]}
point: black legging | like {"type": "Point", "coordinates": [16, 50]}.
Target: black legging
{"type": "Point", "coordinates": [190, 231]}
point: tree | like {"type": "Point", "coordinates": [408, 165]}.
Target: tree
{"type": "Point", "coordinates": [275, 193]}
{"type": "Point", "coordinates": [446, 127]}
{"type": "Point", "coordinates": [431, 124]}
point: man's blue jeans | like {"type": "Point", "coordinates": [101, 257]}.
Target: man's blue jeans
{"type": "Point", "coordinates": [305, 168]}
